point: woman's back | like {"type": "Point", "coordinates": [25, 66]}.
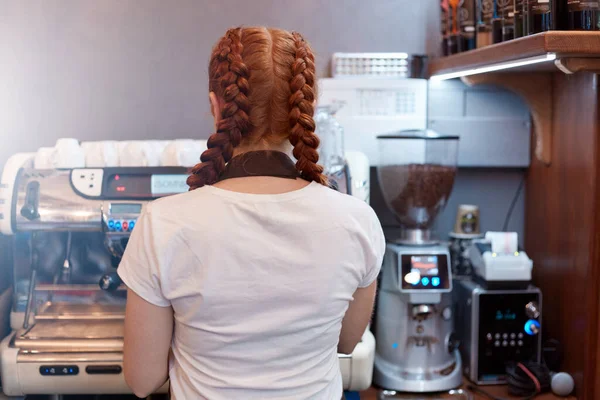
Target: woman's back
{"type": "Point", "coordinates": [263, 278]}
{"type": "Point", "coordinates": [259, 285]}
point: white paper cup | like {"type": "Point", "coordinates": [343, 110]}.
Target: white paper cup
{"type": "Point", "coordinates": [101, 154]}
{"type": "Point", "coordinates": [43, 158]}
{"type": "Point", "coordinates": [67, 154]}
{"type": "Point", "coordinates": [133, 154]}
{"type": "Point", "coordinates": [182, 153]}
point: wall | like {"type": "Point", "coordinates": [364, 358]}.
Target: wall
{"type": "Point", "coordinates": [127, 69]}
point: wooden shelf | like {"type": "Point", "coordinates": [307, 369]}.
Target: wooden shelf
{"type": "Point", "coordinates": [572, 52]}
{"type": "Point", "coordinates": [577, 50]}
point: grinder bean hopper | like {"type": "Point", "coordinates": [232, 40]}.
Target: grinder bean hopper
{"type": "Point", "coordinates": [416, 346]}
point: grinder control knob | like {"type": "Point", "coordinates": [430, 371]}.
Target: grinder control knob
{"type": "Point", "coordinates": [532, 310]}
{"type": "Point", "coordinates": [532, 327]}
{"type": "Point", "coordinates": [110, 282]}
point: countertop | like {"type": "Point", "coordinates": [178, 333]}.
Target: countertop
{"type": "Point", "coordinates": [498, 391]}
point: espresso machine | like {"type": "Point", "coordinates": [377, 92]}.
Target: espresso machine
{"type": "Point", "coordinates": [69, 211]}
{"type": "Point", "coordinates": [416, 348]}
{"type": "Point", "coordinates": [69, 225]}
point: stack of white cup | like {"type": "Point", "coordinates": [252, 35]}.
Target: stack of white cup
{"type": "Point", "coordinates": [182, 153]}
{"type": "Point", "coordinates": [67, 153]}
{"type": "Point", "coordinates": [101, 154]}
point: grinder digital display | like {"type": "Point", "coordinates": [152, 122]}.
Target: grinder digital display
{"type": "Point", "coordinates": [424, 272]}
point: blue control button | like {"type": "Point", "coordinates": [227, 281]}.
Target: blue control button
{"type": "Point", "coordinates": [435, 281]}
{"type": "Point", "coordinates": [131, 225]}
{"type": "Point", "coordinates": [118, 226]}
{"type": "Point", "coordinates": [425, 281]}
{"type": "Point", "coordinates": [111, 224]}
{"type": "Point", "coordinates": [532, 327]}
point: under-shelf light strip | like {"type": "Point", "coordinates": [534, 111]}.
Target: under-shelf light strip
{"type": "Point", "coordinates": [496, 67]}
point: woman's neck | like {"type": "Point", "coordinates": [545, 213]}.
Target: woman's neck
{"type": "Point", "coordinates": [284, 147]}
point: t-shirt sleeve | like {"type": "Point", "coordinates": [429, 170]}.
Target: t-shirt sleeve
{"type": "Point", "coordinates": [375, 251]}
{"type": "Point", "coordinates": [140, 268]}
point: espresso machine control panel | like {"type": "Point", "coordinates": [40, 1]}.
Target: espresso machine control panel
{"type": "Point", "coordinates": [142, 183]}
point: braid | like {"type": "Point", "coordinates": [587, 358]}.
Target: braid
{"type": "Point", "coordinates": [231, 75]}
{"type": "Point", "coordinates": [302, 135]}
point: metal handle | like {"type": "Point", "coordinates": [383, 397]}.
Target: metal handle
{"type": "Point", "coordinates": [30, 209]}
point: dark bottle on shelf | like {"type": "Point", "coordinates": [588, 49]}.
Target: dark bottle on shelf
{"type": "Point", "coordinates": [525, 17]}
{"type": "Point", "coordinates": [454, 35]}
{"type": "Point", "coordinates": [444, 25]}
{"type": "Point", "coordinates": [540, 16]}
{"type": "Point", "coordinates": [497, 23]}
{"type": "Point", "coordinates": [506, 13]}
{"type": "Point", "coordinates": [518, 18]}
{"type": "Point", "coordinates": [583, 15]}
{"type": "Point", "coordinates": [485, 13]}
{"type": "Point", "coordinates": [467, 24]}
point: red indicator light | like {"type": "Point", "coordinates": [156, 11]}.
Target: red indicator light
{"type": "Point", "coordinates": [117, 177]}
{"type": "Point", "coordinates": [125, 225]}
{"type": "Point", "coordinates": [120, 188]}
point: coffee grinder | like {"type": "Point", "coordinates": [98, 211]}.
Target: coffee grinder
{"type": "Point", "coordinates": [416, 346]}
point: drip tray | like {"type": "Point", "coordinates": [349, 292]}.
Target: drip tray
{"type": "Point", "coordinates": [458, 394]}
{"type": "Point", "coordinates": [72, 336]}
{"type": "Point", "coordinates": [70, 311]}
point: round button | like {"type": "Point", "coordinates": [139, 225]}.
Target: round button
{"type": "Point", "coordinates": [505, 336]}
{"type": "Point", "coordinates": [125, 225]}
{"type": "Point", "coordinates": [512, 335]}
{"type": "Point", "coordinates": [532, 327]}
{"type": "Point", "coordinates": [131, 225]}
{"type": "Point", "coordinates": [520, 343]}
{"type": "Point", "coordinates": [447, 313]}
{"type": "Point", "coordinates": [520, 335]}
{"type": "Point", "coordinates": [512, 343]}
{"type": "Point", "coordinates": [497, 336]}
{"type": "Point", "coordinates": [505, 344]}
{"type": "Point", "coordinates": [497, 343]}
{"type": "Point", "coordinates": [118, 225]}
{"type": "Point", "coordinates": [111, 224]}
{"type": "Point", "coordinates": [489, 337]}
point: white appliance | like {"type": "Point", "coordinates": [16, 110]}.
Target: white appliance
{"type": "Point", "coordinates": [497, 260]}
{"type": "Point", "coordinates": [373, 107]}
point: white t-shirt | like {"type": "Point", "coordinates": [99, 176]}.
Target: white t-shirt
{"type": "Point", "coordinates": [259, 285]}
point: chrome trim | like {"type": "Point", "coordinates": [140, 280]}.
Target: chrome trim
{"type": "Point", "coordinates": [60, 207]}
{"type": "Point", "coordinates": [92, 358]}
{"type": "Point", "coordinates": [474, 337]}
{"type": "Point", "coordinates": [42, 287]}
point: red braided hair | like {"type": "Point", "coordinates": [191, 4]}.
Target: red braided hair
{"type": "Point", "coordinates": [302, 135]}
{"type": "Point", "coordinates": [265, 82]}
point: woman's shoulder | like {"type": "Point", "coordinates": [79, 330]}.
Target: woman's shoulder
{"type": "Point", "coordinates": [343, 203]}
{"type": "Point", "coordinates": [193, 202]}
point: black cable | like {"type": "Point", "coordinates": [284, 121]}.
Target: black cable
{"type": "Point", "coordinates": [520, 382]}
{"type": "Point", "coordinates": [513, 203]}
